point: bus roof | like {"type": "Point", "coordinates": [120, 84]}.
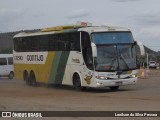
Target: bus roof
{"type": "Point", "coordinates": [103, 29]}
{"type": "Point", "coordinates": [62, 29]}
{"type": "Point", "coordinates": [6, 55]}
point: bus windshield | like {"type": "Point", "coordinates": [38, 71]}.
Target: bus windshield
{"type": "Point", "coordinates": [112, 37]}
{"type": "Point", "coordinates": [115, 51]}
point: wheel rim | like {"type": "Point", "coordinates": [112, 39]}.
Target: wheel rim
{"type": "Point", "coordinates": [26, 78]}
{"type": "Point", "coordinates": [33, 80]}
{"type": "Point", "coordinates": [77, 82]}
{"type": "Point", "coordinates": [11, 75]}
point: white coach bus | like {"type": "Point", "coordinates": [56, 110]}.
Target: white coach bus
{"type": "Point", "coordinates": [89, 56]}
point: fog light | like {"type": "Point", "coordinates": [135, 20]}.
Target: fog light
{"type": "Point", "coordinates": [98, 84]}
{"type": "Point", "coordinates": [101, 77]}
{"type": "Point", "coordinates": [133, 76]}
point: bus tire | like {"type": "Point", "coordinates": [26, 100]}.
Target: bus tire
{"type": "Point", "coordinates": [76, 81]}
{"type": "Point", "coordinates": [26, 78]}
{"type": "Point", "coordinates": [33, 79]}
{"type": "Point", "coordinates": [114, 88]}
{"type": "Point", "coordinates": [11, 75]}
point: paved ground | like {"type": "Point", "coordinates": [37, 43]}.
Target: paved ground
{"type": "Point", "coordinates": [145, 96]}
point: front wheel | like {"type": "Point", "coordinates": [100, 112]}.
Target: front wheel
{"type": "Point", "coordinates": [76, 81]}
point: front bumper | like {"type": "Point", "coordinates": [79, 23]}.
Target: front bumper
{"type": "Point", "coordinates": [117, 82]}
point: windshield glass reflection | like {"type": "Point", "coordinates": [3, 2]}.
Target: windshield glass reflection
{"type": "Point", "coordinates": [115, 51]}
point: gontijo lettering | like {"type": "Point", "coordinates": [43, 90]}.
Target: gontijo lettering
{"type": "Point", "coordinates": [34, 57]}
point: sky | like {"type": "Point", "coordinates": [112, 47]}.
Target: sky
{"type": "Point", "coordinates": [142, 17]}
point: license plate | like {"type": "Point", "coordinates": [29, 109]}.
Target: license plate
{"type": "Point", "coordinates": [119, 83]}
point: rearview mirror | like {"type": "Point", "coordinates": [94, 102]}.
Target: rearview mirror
{"type": "Point", "coordinates": [141, 48]}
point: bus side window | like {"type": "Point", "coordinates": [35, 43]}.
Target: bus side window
{"type": "Point", "coordinates": [67, 46]}
{"type": "Point", "coordinates": [10, 61]}
{"type": "Point", "coordinates": [3, 61]}
{"type": "Point", "coordinates": [66, 42]}
{"type": "Point", "coordinates": [72, 46]}
{"type": "Point", "coordinates": [75, 41]}
{"type": "Point", "coordinates": [89, 58]}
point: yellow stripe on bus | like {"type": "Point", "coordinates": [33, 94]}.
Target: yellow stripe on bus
{"type": "Point", "coordinates": [42, 71]}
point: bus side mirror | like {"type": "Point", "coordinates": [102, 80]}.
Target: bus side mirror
{"type": "Point", "coordinates": [135, 42]}
{"type": "Point", "coordinates": [94, 50]}
{"type": "Point", "coordinates": [141, 48]}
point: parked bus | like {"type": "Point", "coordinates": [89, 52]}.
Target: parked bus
{"type": "Point", "coordinates": [82, 56]}
{"type": "Point", "coordinates": [6, 65]}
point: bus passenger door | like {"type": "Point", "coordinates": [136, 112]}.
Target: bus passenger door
{"type": "Point", "coordinates": [87, 66]}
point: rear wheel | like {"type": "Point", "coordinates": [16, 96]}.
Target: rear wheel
{"type": "Point", "coordinates": [26, 78]}
{"type": "Point", "coordinates": [114, 88]}
{"type": "Point", "coordinates": [33, 79]}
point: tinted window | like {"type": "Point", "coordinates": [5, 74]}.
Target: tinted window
{"type": "Point", "coordinates": [56, 42]}
{"type": "Point", "coordinates": [3, 61]}
{"type": "Point", "coordinates": [112, 37]}
{"type": "Point", "coordinates": [10, 60]}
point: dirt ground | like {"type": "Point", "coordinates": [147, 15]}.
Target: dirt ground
{"type": "Point", "coordinates": [15, 95]}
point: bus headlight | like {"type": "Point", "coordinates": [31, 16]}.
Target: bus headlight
{"type": "Point", "coordinates": [133, 76]}
{"type": "Point", "coordinates": [101, 77]}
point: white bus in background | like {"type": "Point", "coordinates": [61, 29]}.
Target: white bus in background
{"type": "Point", "coordinates": [6, 65]}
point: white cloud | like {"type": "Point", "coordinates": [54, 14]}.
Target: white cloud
{"type": "Point", "coordinates": [80, 13]}
{"type": "Point", "coordinates": [148, 18]}
{"type": "Point", "coordinates": [141, 16]}
{"type": "Point", "coordinates": [126, 0]}
{"type": "Point", "coordinates": [151, 31]}
{"type": "Point", "coordinates": [7, 12]}
{"type": "Point", "coordinates": [8, 17]}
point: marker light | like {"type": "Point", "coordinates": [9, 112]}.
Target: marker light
{"type": "Point", "coordinates": [133, 76]}
{"type": "Point", "coordinates": [101, 77]}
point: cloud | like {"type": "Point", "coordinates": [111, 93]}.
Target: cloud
{"type": "Point", "coordinates": [126, 0]}
{"type": "Point", "coordinates": [151, 31]}
{"type": "Point", "coordinates": [78, 13]}
{"type": "Point", "coordinates": [8, 17]}
{"type": "Point", "coordinates": [148, 18]}
{"type": "Point", "coordinates": [150, 36]}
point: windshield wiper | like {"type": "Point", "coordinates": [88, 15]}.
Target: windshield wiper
{"type": "Point", "coordinates": [120, 70]}
{"type": "Point", "coordinates": [124, 62]}
{"type": "Point", "coordinates": [121, 57]}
